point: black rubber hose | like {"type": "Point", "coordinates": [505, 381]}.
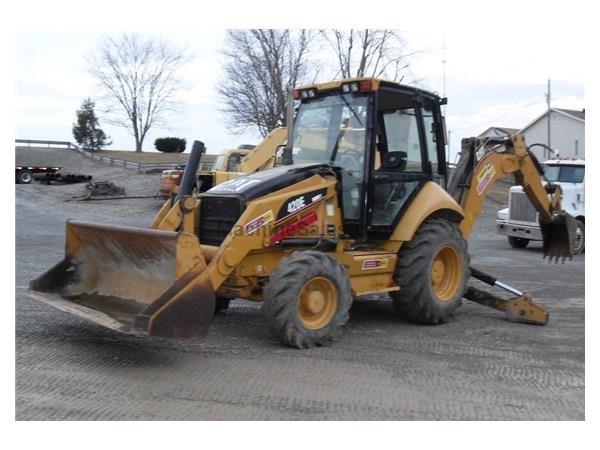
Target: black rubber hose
{"type": "Point", "coordinates": [482, 276]}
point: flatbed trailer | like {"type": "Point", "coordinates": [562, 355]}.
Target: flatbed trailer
{"type": "Point", "coordinates": [24, 174]}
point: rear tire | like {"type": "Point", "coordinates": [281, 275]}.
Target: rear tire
{"type": "Point", "coordinates": [24, 176]}
{"type": "Point", "coordinates": [517, 242]}
{"type": "Point", "coordinates": [579, 246]}
{"type": "Point", "coordinates": [307, 300]}
{"type": "Point", "coordinates": [432, 271]}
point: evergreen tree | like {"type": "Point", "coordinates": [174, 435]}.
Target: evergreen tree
{"type": "Point", "coordinates": [86, 130]}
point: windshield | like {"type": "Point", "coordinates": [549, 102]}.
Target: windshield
{"type": "Point", "coordinates": [564, 173]}
{"type": "Point", "coordinates": [331, 129]}
{"type": "Point", "coordinates": [218, 164]}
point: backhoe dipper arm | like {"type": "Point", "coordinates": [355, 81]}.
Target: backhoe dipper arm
{"type": "Point", "coordinates": [470, 188]}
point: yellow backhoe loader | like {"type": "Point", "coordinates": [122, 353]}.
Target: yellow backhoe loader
{"type": "Point", "coordinates": [233, 164]}
{"type": "Point", "coordinates": [360, 204]}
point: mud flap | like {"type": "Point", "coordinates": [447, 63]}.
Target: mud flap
{"type": "Point", "coordinates": [559, 237]}
{"type": "Point", "coordinates": [133, 280]}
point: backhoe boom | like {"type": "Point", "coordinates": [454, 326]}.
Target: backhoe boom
{"type": "Point", "coordinates": [497, 159]}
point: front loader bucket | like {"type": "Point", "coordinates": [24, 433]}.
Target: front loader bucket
{"type": "Point", "coordinates": [133, 280]}
{"type": "Point", "coordinates": [559, 236]}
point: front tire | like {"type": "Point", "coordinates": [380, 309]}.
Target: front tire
{"type": "Point", "coordinates": [221, 304]}
{"type": "Point", "coordinates": [579, 246]}
{"type": "Point", "coordinates": [517, 242]}
{"type": "Point", "coordinates": [307, 300]}
{"type": "Point", "coordinates": [432, 271]}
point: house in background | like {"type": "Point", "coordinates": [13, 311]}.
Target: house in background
{"type": "Point", "coordinates": [495, 132]}
{"type": "Point", "coordinates": [567, 133]}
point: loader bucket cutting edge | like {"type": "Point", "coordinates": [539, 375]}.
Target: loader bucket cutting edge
{"type": "Point", "coordinates": [133, 280]}
{"type": "Point", "coordinates": [559, 237]}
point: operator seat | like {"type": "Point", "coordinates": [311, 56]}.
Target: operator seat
{"type": "Point", "coordinates": [393, 162]}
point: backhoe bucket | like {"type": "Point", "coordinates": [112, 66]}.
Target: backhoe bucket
{"type": "Point", "coordinates": [133, 280]}
{"type": "Point", "coordinates": [559, 236]}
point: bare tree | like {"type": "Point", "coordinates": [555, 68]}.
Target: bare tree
{"type": "Point", "coordinates": [139, 76]}
{"type": "Point", "coordinates": [368, 53]}
{"type": "Point", "coordinates": [260, 68]}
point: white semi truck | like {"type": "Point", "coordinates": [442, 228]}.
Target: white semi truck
{"type": "Point", "coordinates": [519, 221]}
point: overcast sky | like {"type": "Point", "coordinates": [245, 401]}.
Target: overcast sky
{"type": "Point", "coordinates": [492, 79]}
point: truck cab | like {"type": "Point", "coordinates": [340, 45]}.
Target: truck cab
{"type": "Point", "coordinates": [519, 221]}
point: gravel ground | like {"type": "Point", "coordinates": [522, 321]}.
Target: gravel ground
{"type": "Point", "coordinates": [478, 366]}
{"type": "Point", "coordinates": [53, 197]}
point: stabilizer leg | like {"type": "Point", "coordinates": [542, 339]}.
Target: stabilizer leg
{"type": "Point", "coordinates": [521, 309]}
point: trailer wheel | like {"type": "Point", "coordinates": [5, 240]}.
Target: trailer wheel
{"type": "Point", "coordinates": [307, 300]}
{"type": "Point", "coordinates": [24, 176]}
{"type": "Point", "coordinates": [517, 242]}
{"type": "Point", "coordinates": [432, 271]}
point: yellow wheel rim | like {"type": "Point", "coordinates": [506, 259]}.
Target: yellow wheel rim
{"type": "Point", "coordinates": [446, 273]}
{"type": "Point", "coordinates": [317, 303]}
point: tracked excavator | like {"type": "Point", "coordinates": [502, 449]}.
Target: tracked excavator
{"type": "Point", "coordinates": [361, 203]}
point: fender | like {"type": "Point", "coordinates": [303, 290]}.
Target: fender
{"type": "Point", "coordinates": [431, 201]}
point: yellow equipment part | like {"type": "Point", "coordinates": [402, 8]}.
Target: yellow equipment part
{"type": "Point", "coordinates": [133, 280]}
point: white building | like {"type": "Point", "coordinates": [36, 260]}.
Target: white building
{"type": "Point", "coordinates": [496, 132]}
{"type": "Point", "coordinates": [567, 133]}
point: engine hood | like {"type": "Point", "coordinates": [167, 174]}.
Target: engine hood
{"type": "Point", "coordinates": [262, 183]}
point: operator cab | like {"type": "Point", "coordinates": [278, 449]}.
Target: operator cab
{"type": "Point", "coordinates": [386, 139]}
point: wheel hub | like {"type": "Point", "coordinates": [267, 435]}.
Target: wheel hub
{"type": "Point", "coordinates": [317, 303]}
{"type": "Point", "coordinates": [446, 273]}
{"type": "Point", "coordinates": [437, 271]}
{"type": "Point", "coordinates": [314, 302]}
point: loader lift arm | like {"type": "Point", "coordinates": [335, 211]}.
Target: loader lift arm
{"type": "Point", "coordinates": [470, 184]}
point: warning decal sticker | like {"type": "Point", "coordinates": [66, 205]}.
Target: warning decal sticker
{"type": "Point", "coordinates": [259, 222]}
{"type": "Point", "coordinates": [484, 177]}
{"type": "Point", "coordinates": [374, 264]}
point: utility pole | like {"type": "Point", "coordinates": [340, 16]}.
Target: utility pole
{"type": "Point", "coordinates": [549, 116]}
{"type": "Point", "coordinates": [444, 60]}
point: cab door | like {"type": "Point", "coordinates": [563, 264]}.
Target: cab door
{"type": "Point", "coordinates": [403, 169]}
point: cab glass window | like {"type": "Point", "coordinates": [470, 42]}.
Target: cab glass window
{"type": "Point", "coordinates": [431, 138]}
{"type": "Point", "coordinates": [402, 135]}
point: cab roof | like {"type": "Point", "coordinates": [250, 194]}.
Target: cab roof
{"type": "Point", "coordinates": [570, 162]}
{"type": "Point", "coordinates": [376, 85]}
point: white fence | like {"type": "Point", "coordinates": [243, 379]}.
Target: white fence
{"type": "Point", "coordinates": [128, 164]}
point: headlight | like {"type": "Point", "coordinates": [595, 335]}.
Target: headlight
{"type": "Point", "coordinates": [502, 214]}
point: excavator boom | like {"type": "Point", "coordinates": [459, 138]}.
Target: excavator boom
{"type": "Point", "coordinates": [482, 163]}
{"type": "Point", "coordinates": [498, 158]}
